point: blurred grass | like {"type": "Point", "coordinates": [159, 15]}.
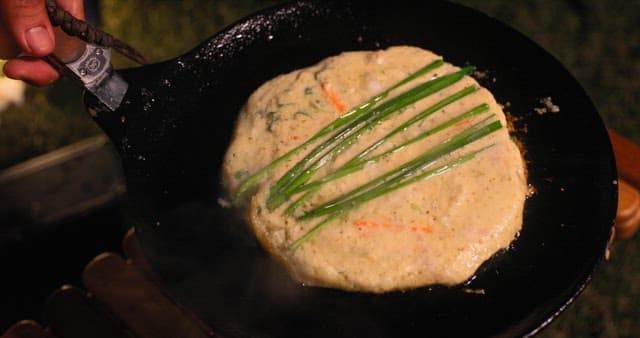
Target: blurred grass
{"type": "Point", "coordinates": [48, 119]}
{"type": "Point", "coordinates": [598, 41]}
{"type": "Point", "coordinates": [165, 29]}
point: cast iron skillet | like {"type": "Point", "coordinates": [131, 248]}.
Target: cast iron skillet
{"type": "Point", "coordinates": [176, 121]}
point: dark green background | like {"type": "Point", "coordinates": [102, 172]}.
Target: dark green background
{"type": "Point", "coordinates": [598, 41]}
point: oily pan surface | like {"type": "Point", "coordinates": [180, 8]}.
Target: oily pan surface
{"type": "Point", "coordinates": [235, 287]}
{"type": "Point", "coordinates": [437, 231]}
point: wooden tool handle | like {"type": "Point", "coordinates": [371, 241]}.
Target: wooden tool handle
{"type": "Point", "coordinates": [627, 156]}
{"type": "Point", "coordinates": [26, 329]}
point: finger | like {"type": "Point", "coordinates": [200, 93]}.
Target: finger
{"type": "Point", "coordinates": [28, 23]}
{"type": "Point", "coordinates": [8, 47]}
{"type": "Point", "coordinates": [32, 70]}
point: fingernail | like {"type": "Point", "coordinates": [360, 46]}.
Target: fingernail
{"type": "Point", "coordinates": [39, 40]}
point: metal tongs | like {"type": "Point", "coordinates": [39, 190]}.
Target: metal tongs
{"type": "Point", "coordinates": [92, 67]}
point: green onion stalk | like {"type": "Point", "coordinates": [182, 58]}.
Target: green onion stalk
{"type": "Point", "coordinates": [297, 175]}
{"type": "Point", "coordinates": [349, 116]}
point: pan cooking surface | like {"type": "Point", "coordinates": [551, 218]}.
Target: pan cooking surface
{"type": "Point", "coordinates": [179, 116]}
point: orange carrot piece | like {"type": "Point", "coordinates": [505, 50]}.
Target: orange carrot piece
{"type": "Point", "coordinates": [362, 223]}
{"type": "Point", "coordinates": [333, 98]}
{"type": "Point", "coordinates": [426, 229]}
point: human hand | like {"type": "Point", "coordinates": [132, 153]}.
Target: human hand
{"type": "Point", "coordinates": [26, 35]}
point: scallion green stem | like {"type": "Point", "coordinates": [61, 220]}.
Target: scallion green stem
{"type": "Point", "coordinates": [354, 167]}
{"type": "Point", "coordinates": [419, 117]}
{"type": "Point", "coordinates": [313, 231]}
{"type": "Point", "coordinates": [360, 162]}
{"type": "Point", "coordinates": [297, 203]}
{"type": "Point", "coordinates": [349, 116]}
{"type": "Point", "coordinates": [297, 175]}
{"type": "Point", "coordinates": [428, 156]}
{"type": "Point", "coordinates": [380, 191]}
{"type": "Point", "coordinates": [409, 168]}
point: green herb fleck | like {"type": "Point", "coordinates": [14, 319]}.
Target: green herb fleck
{"type": "Point", "coordinates": [316, 75]}
{"type": "Point", "coordinates": [301, 113]}
{"type": "Point", "coordinates": [241, 174]}
{"type": "Point", "coordinates": [271, 117]}
{"type": "Point", "coordinates": [279, 104]}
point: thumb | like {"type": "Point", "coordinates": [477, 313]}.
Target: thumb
{"type": "Point", "coordinates": [27, 21]}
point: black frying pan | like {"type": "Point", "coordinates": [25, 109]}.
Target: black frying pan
{"type": "Point", "coordinates": [176, 121]}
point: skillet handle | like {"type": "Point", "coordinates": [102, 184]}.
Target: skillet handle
{"type": "Point", "coordinates": [627, 156]}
